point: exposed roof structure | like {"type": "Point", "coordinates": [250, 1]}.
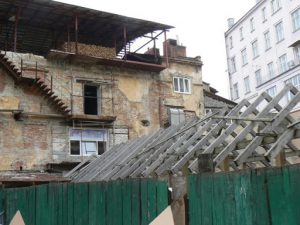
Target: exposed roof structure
{"type": "Point", "coordinates": [44, 24]}
{"type": "Point", "coordinates": [244, 137]}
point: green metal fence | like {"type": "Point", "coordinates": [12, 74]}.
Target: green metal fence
{"type": "Point", "coordinates": [262, 197]}
{"type": "Point", "coordinates": [130, 202]}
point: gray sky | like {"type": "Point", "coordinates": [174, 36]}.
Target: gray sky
{"type": "Point", "coordinates": [200, 26]}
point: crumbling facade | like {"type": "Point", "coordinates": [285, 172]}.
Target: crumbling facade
{"type": "Point", "coordinates": [66, 99]}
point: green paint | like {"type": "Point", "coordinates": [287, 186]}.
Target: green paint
{"type": "Point", "coordinates": [263, 196]}
{"type": "Point", "coordinates": [112, 203]}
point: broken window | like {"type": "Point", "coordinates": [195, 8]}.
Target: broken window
{"type": "Point", "coordinates": [87, 142]}
{"type": "Point", "coordinates": [91, 106]}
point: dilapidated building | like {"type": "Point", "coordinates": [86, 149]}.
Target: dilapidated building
{"type": "Point", "coordinates": [72, 86]}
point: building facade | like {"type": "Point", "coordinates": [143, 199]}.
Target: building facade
{"type": "Point", "coordinates": [70, 87]}
{"type": "Point", "coordinates": [263, 49]}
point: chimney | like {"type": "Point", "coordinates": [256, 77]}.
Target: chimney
{"type": "Point", "coordinates": [174, 49]}
{"type": "Point", "coordinates": [230, 22]}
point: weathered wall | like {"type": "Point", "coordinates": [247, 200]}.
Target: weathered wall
{"type": "Point", "coordinates": [133, 96]}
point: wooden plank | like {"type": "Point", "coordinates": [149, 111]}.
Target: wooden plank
{"type": "Point", "coordinates": [81, 204]}
{"type": "Point", "coordinates": [222, 155]}
{"type": "Point", "coordinates": [162, 196]}
{"type": "Point", "coordinates": [126, 201]}
{"type": "Point", "coordinates": [152, 200]}
{"type": "Point", "coordinates": [144, 203]}
{"type": "Point", "coordinates": [136, 202]}
{"type": "Point", "coordinates": [269, 127]}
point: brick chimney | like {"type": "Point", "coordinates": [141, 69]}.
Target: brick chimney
{"type": "Point", "coordinates": [174, 50]}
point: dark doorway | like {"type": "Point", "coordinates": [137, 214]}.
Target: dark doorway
{"type": "Point", "coordinates": [90, 100]}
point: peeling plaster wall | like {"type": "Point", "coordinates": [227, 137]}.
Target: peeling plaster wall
{"type": "Point", "coordinates": [134, 96]}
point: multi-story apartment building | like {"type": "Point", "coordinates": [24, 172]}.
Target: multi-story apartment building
{"type": "Point", "coordinates": [263, 49]}
{"type": "Point", "coordinates": [71, 86]}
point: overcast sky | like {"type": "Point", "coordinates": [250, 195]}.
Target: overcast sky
{"type": "Point", "coordinates": [199, 24]}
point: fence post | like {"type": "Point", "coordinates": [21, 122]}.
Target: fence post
{"type": "Point", "coordinates": [205, 163]}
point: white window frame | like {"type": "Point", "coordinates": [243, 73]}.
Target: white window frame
{"type": "Point", "coordinates": [297, 53]}
{"type": "Point", "coordinates": [275, 5]}
{"type": "Point", "coordinates": [279, 31]}
{"type": "Point", "coordinates": [271, 71]}
{"type": "Point", "coordinates": [267, 38]}
{"type": "Point", "coordinates": [295, 81]}
{"type": "Point", "coordinates": [258, 77]}
{"type": "Point", "coordinates": [296, 19]}
{"type": "Point", "coordinates": [90, 139]}
{"type": "Point", "coordinates": [233, 64]}
{"type": "Point", "coordinates": [230, 42]}
{"type": "Point", "coordinates": [187, 87]}
{"type": "Point", "coordinates": [255, 49]}
{"type": "Point", "coordinates": [241, 33]}
{"type": "Point", "coordinates": [247, 85]}
{"type": "Point", "coordinates": [235, 91]}
{"type": "Point", "coordinates": [252, 28]}
{"type": "Point", "coordinates": [264, 14]}
{"type": "Point", "coordinates": [244, 56]}
{"type": "Point", "coordinates": [283, 63]}
{"type": "Point", "coordinates": [272, 91]}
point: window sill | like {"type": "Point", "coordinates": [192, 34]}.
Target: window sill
{"type": "Point", "coordinates": [255, 57]}
{"type": "Point", "coordinates": [265, 20]}
{"type": "Point", "coordinates": [296, 30]}
{"type": "Point", "coordinates": [278, 42]}
{"type": "Point", "coordinates": [273, 13]}
{"type": "Point", "coordinates": [244, 64]}
{"type": "Point", "coordinates": [267, 49]}
{"type": "Point", "coordinates": [248, 92]}
{"type": "Point", "coordinates": [252, 31]}
{"type": "Point", "coordinates": [241, 39]}
{"type": "Point", "coordinates": [185, 93]}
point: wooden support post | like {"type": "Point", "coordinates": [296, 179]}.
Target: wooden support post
{"type": "Point", "coordinates": [125, 42]}
{"type": "Point", "coordinates": [16, 28]}
{"type": "Point", "coordinates": [178, 204]}
{"type": "Point", "coordinates": [280, 159]}
{"type": "Point", "coordinates": [68, 45]}
{"type": "Point", "coordinates": [205, 163]}
{"type": "Point", "coordinates": [166, 49]}
{"type": "Point", "coordinates": [76, 34]}
{"type": "Point", "coordinates": [224, 166]}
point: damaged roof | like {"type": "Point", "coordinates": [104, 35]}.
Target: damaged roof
{"type": "Point", "coordinates": [44, 24]}
{"type": "Point", "coordinates": [242, 136]}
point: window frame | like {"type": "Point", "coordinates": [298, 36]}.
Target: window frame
{"type": "Point", "coordinates": [184, 85]}
{"type": "Point", "coordinates": [275, 7]}
{"type": "Point", "coordinates": [279, 38]}
{"type": "Point", "coordinates": [267, 40]}
{"type": "Point", "coordinates": [244, 56]}
{"type": "Point", "coordinates": [297, 10]}
{"type": "Point", "coordinates": [272, 69]}
{"type": "Point", "coordinates": [273, 88]}
{"type": "Point", "coordinates": [264, 14]}
{"type": "Point", "coordinates": [247, 85]}
{"type": "Point", "coordinates": [255, 51]}
{"type": "Point", "coordinates": [241, 33]}
{"type": "Point", "coordinates": [252, 27]}
{"type": "Point", "coordinates": [95, 140]}
{"type": "Point", "coordinates": [258, 81]}
{"type": "Point", "coordinates": [290, 81]}
{"type": "Point", "coordinates": [283, 63]}
{"type": "Point", "coordinates": [233, 64]}
{"type": "Point", "coordinates": [235, 91]}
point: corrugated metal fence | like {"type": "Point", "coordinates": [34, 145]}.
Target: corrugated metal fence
{"type": "Point", "coordinates": [131, 202]}
{"type": "Point", "coordinates": [263, 197]}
